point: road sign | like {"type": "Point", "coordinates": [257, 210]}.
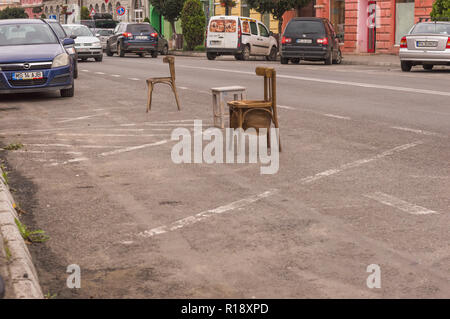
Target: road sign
{"type": "Point", "coordinates": [92, 13]}
{"type": "Point", "coordinates": [52, 16]}
{"type": "Point", "coordinates": [120, 11]}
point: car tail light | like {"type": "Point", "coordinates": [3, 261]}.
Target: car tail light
{"type": "Point", "coordinates": [448, 43]}
{"type": "Point", "coordinates": [403, 43]}
{"type": "Point", "coordinates": [154, 34]}
{"type": "Point", "coordinates": [285, 40]}
{"type": "Point", "coordinates": [127, 35]}
{"type": "Point", "coordinates": [239, 35]}
{"type": "Point", "coordinates": [323, 41]}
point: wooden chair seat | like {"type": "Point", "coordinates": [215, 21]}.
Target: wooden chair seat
{"type": "Point", "coordinates": [163, 80]}
{"type": "Point", "coordinates": [249, 104]}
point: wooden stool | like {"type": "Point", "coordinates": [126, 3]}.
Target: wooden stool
{"type": "Point", "coordinates": [218, 95]}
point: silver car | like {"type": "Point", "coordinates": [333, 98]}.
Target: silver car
{"type": "Point", "coordinates": [426, 44]}
{"type": "Point", "coordinates": [103, 35]}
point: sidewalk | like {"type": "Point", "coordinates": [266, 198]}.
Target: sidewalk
{"type": "Point", "coordinates": [16, 266]}
{"type": "Point", "coordinates": [349, 59]}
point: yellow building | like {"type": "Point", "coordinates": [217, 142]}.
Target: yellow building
{"type": "Point", "coordinates": [241, 9]}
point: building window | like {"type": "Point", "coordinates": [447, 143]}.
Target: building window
{"type": "Point", "coordinates": [337, 16]}
{"type": "Point", "coordinates": [245, 10]}
{"type": "Point", "coordinates": [404, 18]}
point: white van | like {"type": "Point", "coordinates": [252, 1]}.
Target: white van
{"type": "Point", "coordinates": [239, 36]}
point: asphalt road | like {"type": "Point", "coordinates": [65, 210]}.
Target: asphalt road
{"type": "Point", "coordinates": [364, 178]}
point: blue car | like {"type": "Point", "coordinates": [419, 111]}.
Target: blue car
{"type": "Point", "coordinates": [33, 59]}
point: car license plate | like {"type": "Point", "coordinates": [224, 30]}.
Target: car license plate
{"type": "Point", "coordinates": [304, 41]}
{"type": "Point", "coordinates": [215, 42]}
{"type": "Point", "coordinates": [82, 49]}
{"type": "Point", "coordinates": [426, 43]}
{"type": "Point", "coordinates": [141, 37]}
{"type": "Point", "coordinates": [27, 76]}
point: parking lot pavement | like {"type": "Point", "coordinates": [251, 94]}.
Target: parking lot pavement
{"type": "Point", "coordinates": [363, 179]}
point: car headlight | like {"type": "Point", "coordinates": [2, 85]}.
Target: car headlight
{"type": "Point", "coordinates": [61, 60]}
{"type": "Point", "coordinates": [71, 50]}
{"type": "Point", "coordinates": [96, 44]}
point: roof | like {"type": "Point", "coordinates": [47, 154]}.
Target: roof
{"type": "Point", "coordinates": [21, 21]}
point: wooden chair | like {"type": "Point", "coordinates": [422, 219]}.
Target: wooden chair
{"type": "Point", "coordinates": [164, 80]}
{"type": "Point", "coordinates": [258, 113]}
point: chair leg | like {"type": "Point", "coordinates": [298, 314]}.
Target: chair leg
{"type": "Point", "coordinates": [149, 97]}
{"type": "Point", "coordinates": [176, 95]}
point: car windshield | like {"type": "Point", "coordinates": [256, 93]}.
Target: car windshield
{"type": "Point", "coordinates": [304, 27]}
{"type": "Point", "coordinates": [435, 28]}
{"type": "Point", "coordinates": [139, 28]}
{"type": "Point", "coordinates": [104, 32]}
{"type": "Point", "coordinates": [79, 31]}
{"type": "Point", "coordinates": [25, 34]}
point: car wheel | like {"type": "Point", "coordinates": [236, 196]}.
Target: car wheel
{"type": "Point", "coordinates": [338, 59]}
{"type": "Point", "coordinates": [273, 54]}
{"type": "Point", "coordinates": [329, 59]}
{"type": "Point", "coordinates": [142, 55]}
{"type": "Point", "coordinates": [120, 50]}
{"type": "Point", "coordinates": [427, 67]}
{"type": "Point", "coordinates": [99, 58]}
{"type": "Point", "coordinates": [295, 61]}
{"type": "Point", "coordinates": [245, 53]}
{"type": "Point", "coordinates": [154, 54]}
{"type": "Point", "coordinates": [284, 60]}
{"type": "Point", "coordinates": [108, 51]}
{"type": "Point", "coordinates": [211, 56]}
{"type": "Point", "coordinates": [75, 71]}
{"type": "Point", "coordinates": [406, 66]}
{"type": "Point", "coordinates": [165, 50]}
{"type": "Point", "coordinates": [68, 92]}
{"type": "Point", "coordinates": [84, 59]}
{"type": "Point", "coordinates": [237, 57]}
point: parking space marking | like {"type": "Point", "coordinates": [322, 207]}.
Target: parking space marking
{"type": "Point", "coordinates": [115, 75]}
{"type": "Point", "coordinates": [206, 214]}
{"type": "Point", "coordinates": [74, 146]}
{"type": "Point", "coordinates": [81, 118]}
{"type": "Point", "coordinates": [422, 132]}
{"type": "Point", "coordinates": [134, 79]}
{"type": "Point", "coordinates": [100, 73]}
{"type": "Point", "coordinates": [400, 204]}
{"type": "Point", "coordinates": [132, 148]}
{"type": "Point", "coordinates": [337, 116]}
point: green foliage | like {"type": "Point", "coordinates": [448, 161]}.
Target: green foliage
{"type": "Point", "coordinates": [200, 48]}
{"type": "Point", "coordinates": [4, 174]}
{"type": "Point", "coordinates": [193, 21]}
{"type": "Point", "coordinates": [170, 9]}
{"type": "Point", "coordinates": [43, 16]}
{"type": "Point", "coordinates": [276, 8]}
{"type": "Point", "coordinates": [441, 9]}
{"type": "Point", "coordinates": [85, 13]}
{"type": "Point", "coordinates": [32, 236]}
{"type": "Point", "coordinates": [13, 13]}
{"type": "Point", "coordinates": [147, 20]}
{"type": "Point", "coordinates": [37, 10]}
{"type": "Point", "coordinates": [13, 146]}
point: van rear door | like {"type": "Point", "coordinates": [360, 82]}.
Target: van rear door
{"type": "Point", "coordinates": [223, 33]}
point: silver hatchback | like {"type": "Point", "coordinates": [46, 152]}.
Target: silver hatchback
{"type": "Point", "coordinates": [426, 44]}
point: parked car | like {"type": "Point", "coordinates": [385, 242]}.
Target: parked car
{"type": "Point", "coordinates": [32, 58]}
{"type": "Point", "coordinates": [426, 44]}
{"type": "Point", "coordinates": [138, 38]}
{"type": "Point", "coordinates": [61, 34]}
{"type": "Point", "coordinates": [310, 39]}
{"type": "Point", "coordinates": [103, 35]}
{"type": "Point", "coordinates": [86, 44]}
{"type": "Point", "coordinates": [239, 36]}
{"type": "Point", "coordinates": [163, 45]}
{"type": "Point", "coordinates": [99, 23]}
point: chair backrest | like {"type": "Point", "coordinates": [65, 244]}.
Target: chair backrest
{"type": "Point", "coordinates": [171, 61]}
{"type": "Point", "coordinates": [270, 85]}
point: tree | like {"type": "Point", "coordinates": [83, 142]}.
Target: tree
{"type": "Point", "coordinates": [276, 8]}
{"type": "Point", "coordinates": [441, 9]}
{"type": "Point", "coordinates": [13, 13]}
{"type": "Point", "coordinates": [37, 10]}
{"type": "Point", "coordinates": [85, 13]}
{"type": "Point", "coordinates": [171, 10]}
{"type": "Point", "coordinates": [193, 21]}
{"type": "Point", "coordinates": [228, 4]}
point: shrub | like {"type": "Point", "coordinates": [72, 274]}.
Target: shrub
{"type": "Point", "coordinates": [441, 9]}
{"type": "Point", "coordinates": [193, 21]}
{"type": "Point", "coordinates": [13, 13]}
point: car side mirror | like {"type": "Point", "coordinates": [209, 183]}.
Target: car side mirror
{"type": "Point", "coordinates": [68, 41]}
{"type": "Point", "coordinates": [271, 33]}
{"type": "Point", "coordinates": [97, 34]}
{"type": "Point", "coordinates": [73, 37]}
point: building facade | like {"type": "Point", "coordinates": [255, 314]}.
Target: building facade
{"type": "Point", "coordinates": [369, 26]}
{"type": "Point", "coordinates": [9, 3]}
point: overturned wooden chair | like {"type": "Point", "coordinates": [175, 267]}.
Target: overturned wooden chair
{"type": "Point", "coordinates": [164, 80]}
{"type": "Point", "coordinates": [258, 113]}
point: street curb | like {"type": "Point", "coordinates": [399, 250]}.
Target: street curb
{"type": "Point", "coordinates": [344, 60]}
{"type": "Point", "coordinates": [20, 268]}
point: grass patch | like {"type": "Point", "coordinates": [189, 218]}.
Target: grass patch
{"type": "Point", "coordinates": [49, 295]}
{"type": "Point", "coordinates": [7, 251]}
{"type": "Point", "coordinates": [13, 147]}
{"type": "Point", "coordinates": [4, 173]}
{"type": "Point", "coordinates": [31, 236]}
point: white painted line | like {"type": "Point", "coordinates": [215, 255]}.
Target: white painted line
{"type": "Point", "coordinates": [81, 118]}
{"type": "Point", "coordinates": [85, 70]}
{"type": "Point", "coordinates": [115, 75]}
{"type": "Point", "coordinates": [357, 84]}
{"type": "Point", "coordinates": [100, 73]}
{"type": "Point", "coordinates": [109, 135]}
{"type": "Point", "coordinates": [132, 148]}
{"type": "Point", "coordinates": [415, 131]}
{"type": "Point", "coordinates": [74, 160]}
{"type": "Point", "coordinates": [338, 116]}
{"type": "Point", "coordinates": [286, 107]}
{"type": "Point", "coordinates": [400, 204]}
{"type": "Point", "coordinates": [183, 88]}
{"type": "Point", "coordinates": [357, 163]}
{"type": "Point", "coordinates": [206, 214]}
{"type": "Point", "coordinates": [74, 146]}
{"type": "Point", "coordinates": [133, 79]}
